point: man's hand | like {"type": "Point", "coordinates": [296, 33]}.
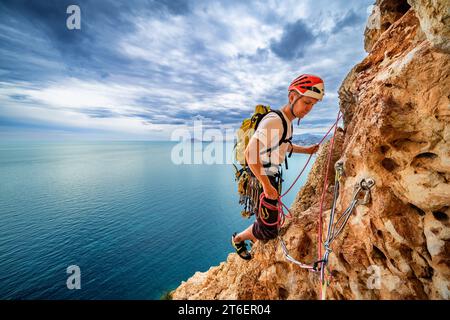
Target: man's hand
{"type": "Point", "coordinates": [270, 192]}
{"type": "Point", "coordinates": [312, 149]}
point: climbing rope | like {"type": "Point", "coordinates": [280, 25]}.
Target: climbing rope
{"type": "Point", "coordinates": [311, 267]}
{"type": "Point", "coordinates": [264, 206]}
{"type": "Point", "coordinates": [280, 205]}
{"type": "Point", "coordinates": [320, 227]}
{"type": "Point", "coordinates": [310, 156]}
{"type": "Point", "coordinates": [324, 190]}
{"type": "Point", "coordinates": [334, 228]}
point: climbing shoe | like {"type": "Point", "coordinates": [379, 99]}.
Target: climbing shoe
{"type": "Point", "coordinates": [241, 248]}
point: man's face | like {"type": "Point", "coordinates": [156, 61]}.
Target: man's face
{"type": "Point", "coordinates": [303, 105]}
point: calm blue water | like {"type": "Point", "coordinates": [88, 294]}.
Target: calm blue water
{"type": "Point", "coordinates": [135, 223]}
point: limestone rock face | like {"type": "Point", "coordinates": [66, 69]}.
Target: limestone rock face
{"type": "Point", "coordinates": [400, 95]}
{"type": "Point", "coordinates": [396, 130]}
{"type": "Point", "coordinates": [384, 14]}
{"type": "Point", "coordinates": [269, 275]}
{"type": "Point", "coordinates": [434, 16]}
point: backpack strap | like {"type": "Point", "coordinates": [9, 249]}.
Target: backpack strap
{"type": "Point", "coordinates": [257, 117]}
{"type": "Point", "coordinates": [282, 140]}
{"type": "Point", "coordinates": [283, 136]}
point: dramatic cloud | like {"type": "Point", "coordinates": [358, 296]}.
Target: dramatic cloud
{"type": "Point", "coordinates": [292, 45]}
{"type": "Point", "coordinates": [350, 19]}
{"type": "Point", "coordinates": [141, 69]}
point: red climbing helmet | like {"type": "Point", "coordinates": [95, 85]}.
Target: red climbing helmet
{"type": "Point", "coordinates": [308, 85]}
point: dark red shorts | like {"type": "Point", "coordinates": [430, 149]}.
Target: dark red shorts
{"type": "Point", "coordinates": [260, 230]}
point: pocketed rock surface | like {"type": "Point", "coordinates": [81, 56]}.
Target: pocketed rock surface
{"type": "Point", "coordinates": [396, 131]}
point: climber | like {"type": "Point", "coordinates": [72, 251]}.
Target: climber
{"type": "Point", "coordinates": [303, 93]}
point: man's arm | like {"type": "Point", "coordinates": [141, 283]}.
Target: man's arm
{"type": "Point", "coordinates": [255, 165]}
{"type": "Point", "coordinates": [308, 149]}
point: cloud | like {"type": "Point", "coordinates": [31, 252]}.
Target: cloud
{"type": "Point", "coordinates": [144, 68]}
{"type": "Point", "coordinates": [100, 113]}
{"type": "Point", "coordinates": [294, 41]}
{"type": "Point", "coordinates": [177, 7]}
{"type": "Point", "coordinates": [350, 19]}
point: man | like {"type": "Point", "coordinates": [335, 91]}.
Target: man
{"type": "Point", "coordinates": [303, 93]}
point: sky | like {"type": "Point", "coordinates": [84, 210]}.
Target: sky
{"type": "Point", "coordinates": [141, 69]}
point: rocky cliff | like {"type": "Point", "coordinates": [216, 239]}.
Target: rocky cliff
{"type": "Point", "coordinates": [396, 131]}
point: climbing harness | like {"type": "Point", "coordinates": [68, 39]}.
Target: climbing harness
{"type": "Point", "coordinates": [280, 205]}
{"type": "Point", "coordinates": [252, 197]}
{"type": "Point", "coordinates": [249, 188]}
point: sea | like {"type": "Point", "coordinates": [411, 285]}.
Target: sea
{"type": "Point", "coordinates": [127, 215]}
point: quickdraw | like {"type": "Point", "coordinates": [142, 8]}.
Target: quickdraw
{"type": "Point", "coordinates": [310, 267]}
{"type": "Point", "coordinates": [248, 189]}
{"type": "Point", "coordinates": [336, 228]}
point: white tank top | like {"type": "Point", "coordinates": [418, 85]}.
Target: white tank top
{"type": "Point", "coordinates": [269, 133]}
